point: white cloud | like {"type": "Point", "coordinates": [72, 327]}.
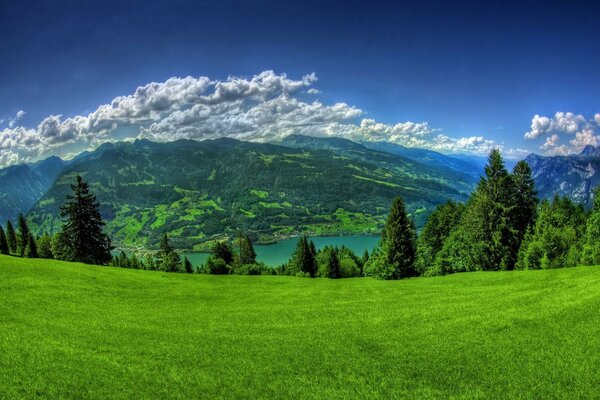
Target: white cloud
{"type": "Point", "coordinates": [265, 107]}
{"type": "Point", "coordinates": [12, 122]}
{"type": "Point", "coordinates": [564, 123]}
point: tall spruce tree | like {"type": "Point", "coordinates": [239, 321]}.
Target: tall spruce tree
{"type": "Point", "coordinates": [22, 235]}
{"type": "Point", "coordinates": [591, 246]}
{"type": "Point", "coordinates": [3, 242]}
{"type": "Point", "coordinates": [31, 249]}
{"type": "Point", "coordinates": [168, 259]}
{"type": "Point", "coordinates": [82, 230]}
{"type": "Point", "coordinates": [11, 237]}
{"type": "Point", "coordinates": [395, 256]}
{"type": "Point", "coordinates": [246, 255]}
{"type": "Point", "coordinates": [187, 266]}
{"type": "Point", "coordinates": [525, 203]}
{"type": "Point", "coordinates": [303, 259]}
{"type": "Point", "coordinates": [334, 265]}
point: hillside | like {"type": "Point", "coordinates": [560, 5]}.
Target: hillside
{"type": "Point", "coordinates": [76, 331]}
{"type": "Point", "coordinates": [196, 190]}
{"type": "Point", "coordinates": [574, 176]}
{"type": "Point", "coordinates": [22, 185]}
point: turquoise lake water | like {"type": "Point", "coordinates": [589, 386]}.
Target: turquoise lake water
{"type": "Point", "coordinates": [277, 253]}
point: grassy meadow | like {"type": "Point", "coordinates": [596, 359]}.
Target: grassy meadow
{"type": "Point", "coordinates": [76, 331]}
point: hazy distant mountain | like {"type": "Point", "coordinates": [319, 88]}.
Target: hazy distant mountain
{"type": "Point", "coordinates": [195, 190]}
{"type": "Point", "coordinates": [22, 185]}
{"type": "Point", "coordinates": [574, 175]}
{"type": "Point", "coordinates": [472, 168]}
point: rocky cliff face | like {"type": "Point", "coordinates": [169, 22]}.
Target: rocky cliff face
{"type": "Point", "coordinates": [574, 175]}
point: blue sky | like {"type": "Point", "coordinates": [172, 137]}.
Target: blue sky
{"type": "Point", "coordinates": [476, 73]}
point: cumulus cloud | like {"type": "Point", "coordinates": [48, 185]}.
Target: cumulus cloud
{"type": "Point", "coordinates": [576, 126]}
{"type": "Point", "coordinates": [265, 107]}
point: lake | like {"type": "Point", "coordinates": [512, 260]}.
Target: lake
{"type": "Point", "coordinates": [277, 253]}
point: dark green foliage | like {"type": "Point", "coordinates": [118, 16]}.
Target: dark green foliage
{"type": "Point", "coordinates": [22, 235]}
{"type": "Point", "coordinates": [168, 259]}
{"type": "Point", "coordinates": [303, 260]}
{"type": "Point", "coordinates": [525, 203]}
{"type": "Point", "coordinates": [60, 249]}
{"type": "Point", "coordinates": [338, 262]}
{"type": "Point", "coordinates": [3, 242]}
{"type": "Point", "coordinates": [82, 230]}
{"type": "Point", "coordinates": [216, 266]}
{"type": "Point", "coordinates": [591, 246]}
{"type": "Point", "coordinates": [556, 238]}
{"type": "Point", "coordinates": [223, 251]}
{"type": "Point", "coordinates": [150, 264]}
{"type": "Point", "coordinates": [44, 245]}
{"type": "Point", "coordinates": [493, 223]}
{"type": "Point", "coordinates": [31, 248]}
{"type": "Point", "coordinates": [187, 266]}
{"type": "Point", "coordinates": [246, 253]}
{"type": "Point", "coordinates": [431, 239]}
{"type": "Point", "coordinates": [395, 255]}
{"type": "Point", "coordinates": [333, 264]}
{"type": "Point", "coordinates": [11, 237]}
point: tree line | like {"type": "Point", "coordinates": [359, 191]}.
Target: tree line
{"type": "Point", "coordinates": [502, 226]}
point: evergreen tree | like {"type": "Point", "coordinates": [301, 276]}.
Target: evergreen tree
{"type": "Point", "coordinates": [22, 235]}
{"type": "Point", "coordinates": [555, 240]}
{"type": "Point", "coordinates": [395, 257]}
{"type": "Point", "coordinates": [247, 254]}
{"type": "Point", "coordinates": [11, 237]}
{"type": "Point", "coordinates": [168, 259]}
{"type": "Point", "coordinates": [303, 258]}
{"type": "Point", "coordinates": [82, 231]}
{"type": "Point", "coordinates": [187, 266]}
{"type": "Point", "coordinates": [31, 248]}
{"type": "Point", "coordinates": [591, 247]}
{"type": "Point", "coordinates": [3, 242]}
{"type": "Point", "coordinates": [484, 239]}
{"type": "Point", "coordinates": [122, 260]}
{"type": "Point", "coordinates": [525, 203]}
{"type": "Point", "coordinates": [437, 228]}
{"type": "Point", "coordinates": [222, 250]}
{"type": "Point", "coordinates": [44, 245]}
{"type": "Point", "coordinates": [334, 265]}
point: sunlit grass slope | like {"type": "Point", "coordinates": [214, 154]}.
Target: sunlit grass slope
{"type": "Point", "coordinates": [76, 331]}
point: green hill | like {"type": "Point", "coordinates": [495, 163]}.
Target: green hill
{"type": "Point", "coordinates": [198, 190]}
{"type": "Point", "coordinates": [76, 331]}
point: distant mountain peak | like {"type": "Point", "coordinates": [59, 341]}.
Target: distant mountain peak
{"type": "Point", "coordinates": [590, 150]}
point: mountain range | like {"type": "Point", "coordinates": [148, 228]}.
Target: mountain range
{"type": "Point", "coordinates": [199, 191]}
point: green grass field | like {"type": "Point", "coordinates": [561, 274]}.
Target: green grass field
{"type": "Point", "coordinates": [76, 331]}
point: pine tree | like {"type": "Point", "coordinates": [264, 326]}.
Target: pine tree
{"type": "Point", "coordinates": [3, 242]}
{"type": "Point", "coordinates": [187, 266]}
{"type": "Point", "coordinates": [435, 232]}
{"type": "Point", "coordinates": [334, 265]}
{"type": "Point", "coordinates": [82, 231]}
{"type": "Point", "coordinates": [525, 203]}
{"type": "Point", "coordinates": [303, 259]}
{"type": "Point", "coordinates": [395, 257]}
{"type": "Point", "coordinates": [11, 237]}
{"type": "Point", "coordinates": [591, 247]}
{"type": "Point", "coordinates": [22, 235]}
{"type": "Point", "coordinates": [222, 250]}
{"type": "Point", "coordinates": [247, 254]}
{"type": "Point", "coordinates": [168, 259]}
{"type": "Point", "coordinates": [31, 248]}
